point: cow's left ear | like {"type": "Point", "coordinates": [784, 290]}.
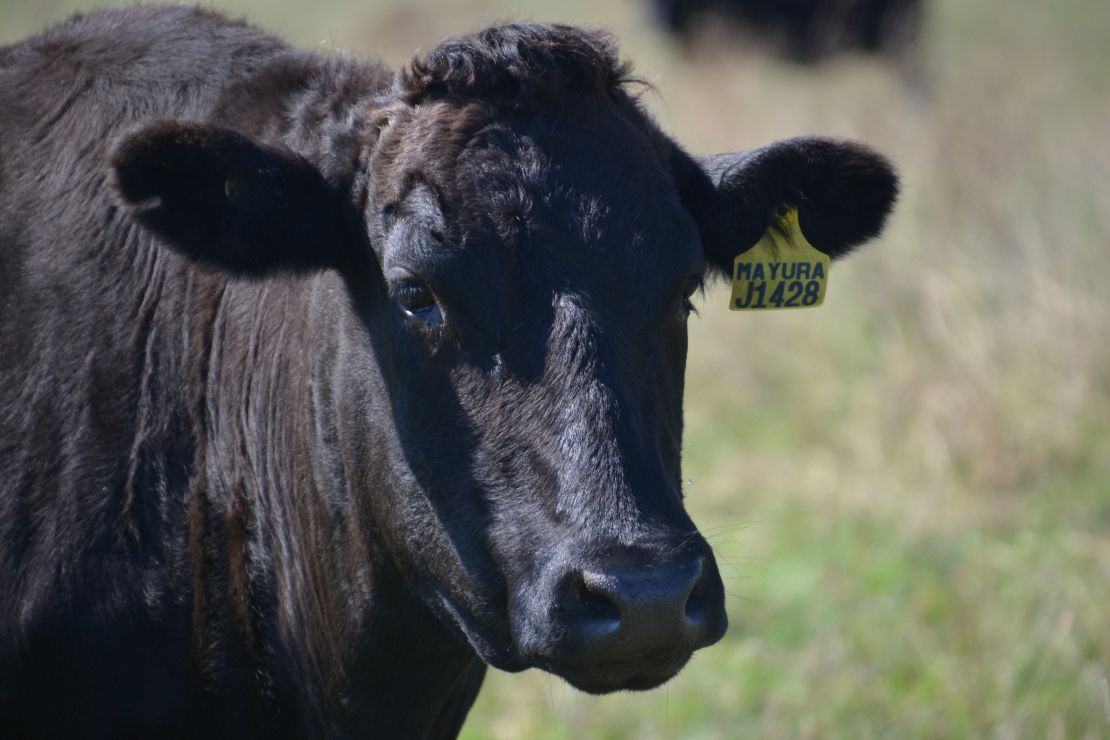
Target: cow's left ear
{"type": "Point", "coordinates": [843, 191]}
{"type": "Point", "coordinates": [219, 197]}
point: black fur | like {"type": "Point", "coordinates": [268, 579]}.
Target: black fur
{"type": "Point", "coordinates": [402, 397]}
{"type": "Point", "coordinates": [518, 63]}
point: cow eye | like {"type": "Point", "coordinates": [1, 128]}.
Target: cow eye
{"type": "Point", "coordinates": [417, 301]}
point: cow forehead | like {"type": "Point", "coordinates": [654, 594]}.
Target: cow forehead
{"type": "Point", "coordinates": [591, 183]}
{"type": "Point", "coordinates": [596, 187]}
{"type": "Point", "coordinates": [577, 199]}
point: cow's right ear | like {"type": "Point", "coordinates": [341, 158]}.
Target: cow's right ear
{"type": "Point", "coordinates": [219, 197]}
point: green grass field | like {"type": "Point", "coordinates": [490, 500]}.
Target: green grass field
{"type": "Point", "coordinates": [909, 488]}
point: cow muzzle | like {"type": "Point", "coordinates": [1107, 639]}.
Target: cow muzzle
{"type": "Point", "coordinates": [627, 620]}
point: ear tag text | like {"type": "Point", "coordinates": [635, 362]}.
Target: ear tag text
{"type": "Point", "coordinates": [782, 270]}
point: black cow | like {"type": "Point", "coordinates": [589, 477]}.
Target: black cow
{"type": "Point", "coordinates": [807, 30]}
{"type": "Point", "coordinates": [323, 387]}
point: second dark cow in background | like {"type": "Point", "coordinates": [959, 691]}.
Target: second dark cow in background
{"type": "Point", "coordinates": [806, 30]}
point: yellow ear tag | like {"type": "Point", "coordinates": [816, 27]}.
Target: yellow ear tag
{"type": "Point", "coordinates": [782, 270]}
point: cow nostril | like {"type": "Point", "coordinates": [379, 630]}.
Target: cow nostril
{"type": "Point", "coordinates": [594, 599]}
{"type": "Point", "coordinates": [596, 613]}
{"type": "Point", "coordinates": [700, 594]}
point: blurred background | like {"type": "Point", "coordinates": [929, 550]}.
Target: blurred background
{"type": "Point", "coordinates": [908, 488]}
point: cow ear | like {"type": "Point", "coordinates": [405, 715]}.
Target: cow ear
{"type": "Point", "coordinates": [219, 197]}
{"type": "Point", "coordinates": [843, 191]}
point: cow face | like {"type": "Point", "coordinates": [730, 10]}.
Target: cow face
{"type": "Point", "coordinates": [540, 290]}
{"type": "Point", "coordinates": [530, 245]}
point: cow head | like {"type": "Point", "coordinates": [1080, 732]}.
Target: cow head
{"type": "Point", "coordinates": [522, 245]}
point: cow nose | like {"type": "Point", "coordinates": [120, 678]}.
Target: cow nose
{"type": "Point", "coordinates": [625, 612]}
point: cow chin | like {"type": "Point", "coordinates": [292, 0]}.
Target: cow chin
{"type": "Point", "coordinates": [605, 678]}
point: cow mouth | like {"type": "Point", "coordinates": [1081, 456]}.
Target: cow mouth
{"type": "Point", "coordinates": [642, 674]}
